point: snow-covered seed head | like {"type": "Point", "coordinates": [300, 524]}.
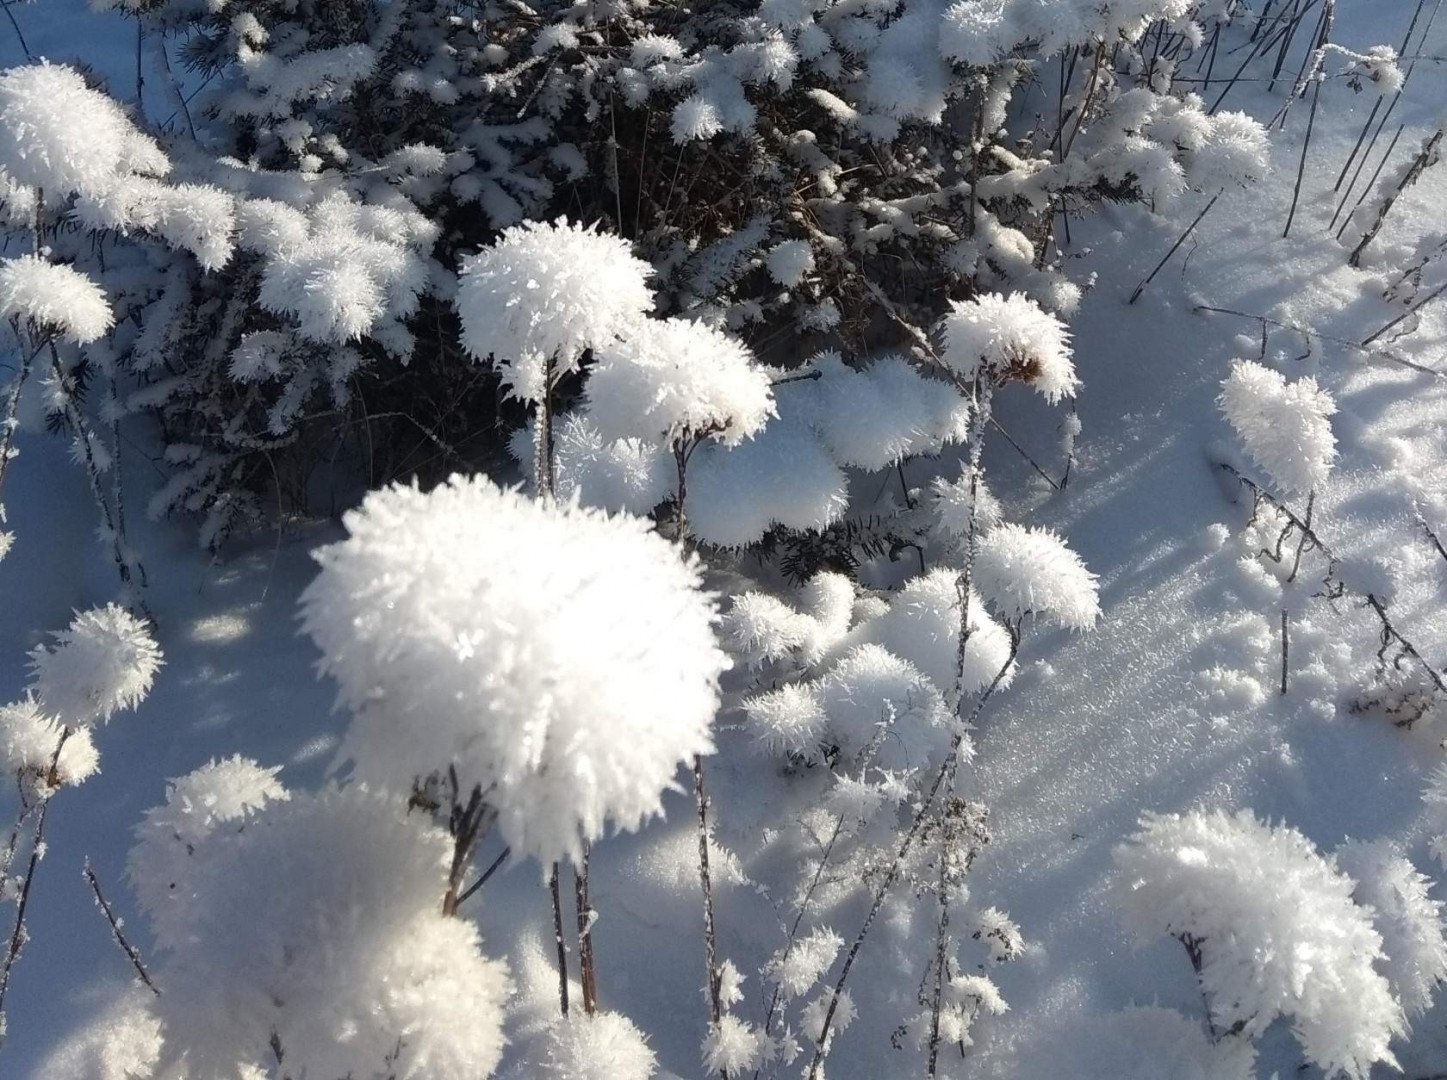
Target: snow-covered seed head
{"type": "Point", "coordinates": [675, 379]}
{"type": "Point", "coordinates": [59, 135]}
{"type": "Point", "coordinates": [103, 662]}
{"type": "Point", "coordinates": [601, 1046]}
{"type": "Point", "coordinates": [1277, 928]}
{"type": "Point", "coordinates": [161, 860]}
{"type": "Point", "coordinates": [53, 299]}
{"type": "Point", "coordinates": [1005, 338]}
{"type": "Point", "coordinates": [1285, 427]}
{"type": "Point", "coordinates": [548, 291]}
{"type": "Point", "coordinates": [1024, 571]}
{"type": "Point", "coordinates": [563, 659]}
{"type": "Point", "coordinates": [29, 740]}
{"type": "Point", "coordinates": [321, 923]}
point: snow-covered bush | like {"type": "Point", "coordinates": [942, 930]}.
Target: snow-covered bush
{"type": "Point", "coordinates": [1273, 930]}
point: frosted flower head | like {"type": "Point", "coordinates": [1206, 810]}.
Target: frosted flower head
{"type": "Point", "coordinates": [1024, 571]}
{"type": "Point", "coordinates": [563, 659]}
{"type": "Point", "coordinates": [103, 662]}
{"type": "Point", "coordinates": [217, 794]}
{"type": "Point", "coordinates": [1005, 338]}
{"type": "Point", "coordinates": [603, 1046]}
{"type": "Point", "coordinates": [677, 379]}
{"type": "Point", "coordinates": [790, 262]}
{"type": "Point", "coordinates": [321, 921]}
{"type": "Point", "coordinates": [548, 290]}
{"type": "Point", "coordinates": [28, 743]}
{"type": "Point", "coordinates": [53, 299]}
{"type": "Point", "coordinates": [1277, 927]}
{"type": "Point", "coordinates": [975, 32]}
{"type": "Point", "coordinates": [1285, 427]}
{"type": "Point", "coordinates": [922, 624]}
{"type": "Point", "coordinates": [1236, 151]}
{"type": "Point", "coordinates": [59, 135]}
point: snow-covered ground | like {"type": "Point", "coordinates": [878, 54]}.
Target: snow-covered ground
{"type": "Point", "coordinates": [1171, 703]}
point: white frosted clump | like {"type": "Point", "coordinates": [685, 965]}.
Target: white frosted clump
{"type": "Point", "coordinates": [787, 720]}
{"type": "Point", "coordinates": [796, 969]}
{"type": "Point", "coordinates": [874, 698]}
{"type": "Point", "coordinates": [1285, 427]}
{"type": "Point", "coordinates": [976, 32]}
{"type": "Point", "coordinates": [759, 627]}
{"type": "Point", "coordinates": [53, 299]}
{"type": "Point", "coordinates": [1406, 916]}
{"type": "Point", "coordinates": [59, 135]}
{"type": "Point", "coordinates": [320, 925]}
{"type": "Point", "coordinates": [1235, 151]}
{"type": "Point", "coordinates": [676, 379]}
{"type": "Point", "coordinates": [922, 625]}
{"type": "Point", "coordinates": [1002, 338]}
{"type": "Point", "coordinates": [1024, 571]}
{"type": "Point", "coordinates": [548, 291]}
{"type": "Point", "coordinates": [122, 1041]}
{"type": "Point", "coordinates": [790, 262]}
{"type": "Point", "coordinates": [28, 743]}
{"type": "Point", "coordinates": [733, 1046]}
{"type": "Point", "coordinates": [1277, 929]}
{"type": "Point", "coordinates": [603, 1046]}
{"type": "Point", "coordinates": [782, 476]}
{"type": "Point", "coordinates": [562, 659]}
{"type": "Point", "coordinates": [160, 863]}
{"type": "Point", "coordinates": [617, 475]}
{"type": "Point", "coordinates": [953, 500]}
{"type": "Point", "coordinates": [357, 269]}
{"type": "Point", "coordinates": [881, 414]}
{"type": "Point", "coordinates": [103, 662]}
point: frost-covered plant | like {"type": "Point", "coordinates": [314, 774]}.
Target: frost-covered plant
{"type": "Point", "coordinates": [1272, 929]}
{"type": "Point", "coordinates": [520, 644]}
{"type": "Point", "coordinates": [313, 937]}
{"type": "Point", "coordinates": [1285, 427]}
{"type": "Point", "coordinates": [104, 662]}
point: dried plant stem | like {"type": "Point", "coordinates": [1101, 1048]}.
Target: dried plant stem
{"type": "Point", "coordinates": [1426, 157]}
{"type": "Point", "coordinates": [559, 941]}
{"type": "Point", "coordinates": [130, 950]}
{"type": "Point", "coordinates": [1389, 631]}
{"type": "Point", "coordinates": [582, 901]}
{"type": "Point", "coordinates": [1174, 247]}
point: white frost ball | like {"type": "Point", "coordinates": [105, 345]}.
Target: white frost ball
{"type": "Point", "coordinates": [103, 662]}
{"type": "Point", "coordinates": [790, 262]}
{"type": "Point", "coordinates": [1285, 427]}
{"type": "Point", "coordinates": [1032, 571]}
{"type": "Point", "coordinates": [604, 1046]}
{"type": "Point", "coordinates": [563, 659]}
{"type": "Point", "coordinates": [1007, 338]}
{"type": "Point", "coordinates": [29, 740]}
{"type": "Point", "coordinates": [53, 298]}
{"type": "Point", "coordinates": [676, 379]}
{"type": "Point", "coordinates": [548, 291]}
